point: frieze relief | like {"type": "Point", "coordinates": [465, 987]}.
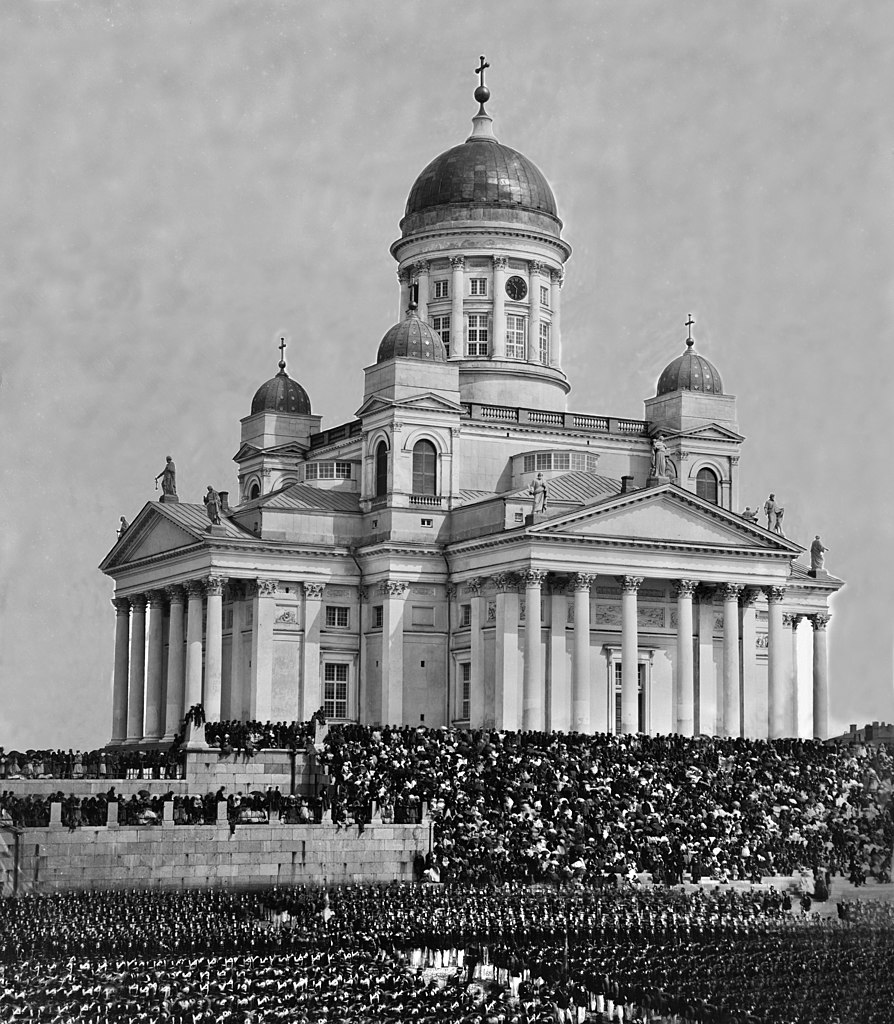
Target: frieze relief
{"type": "Point", "coordinates": [651, 617]}
{"type": "Point", "coordinates": [491, 611]}
{"type": "Point", "coordinates": [762, 641]}
{"type": "Point", "coordinates": [286, 617]}
{"type": "Point", "coordinates": [423, 591]}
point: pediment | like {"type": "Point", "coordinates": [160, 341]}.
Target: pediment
{"type": "Point", "coordinates": [152, 533]}
{"type": "Point", "coordinates": [709, 432]}
{"type": "Point", "coordinates": [428, 401]}
{"type": "Point", "coordinates": [248, 451]}
{"type": "Point", "coordinates": [664, 515]}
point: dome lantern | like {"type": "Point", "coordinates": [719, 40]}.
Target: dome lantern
{"type": "Point", "coordinates": [412, 338]}
{"type": "Point", "coordinates": [281, 393]}
{"type": "Point", "coordinates": [690, 372]}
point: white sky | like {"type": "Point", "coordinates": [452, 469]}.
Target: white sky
{"type": "Point", "coordinates": [181, 182]}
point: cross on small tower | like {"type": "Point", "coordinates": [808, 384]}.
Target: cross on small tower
{"type": "Point", "coordinates": [689, 324]}
{"type": "Point", "coordinates": [480, 70]}
{"type": "Point", "coordinates": [282, 353]}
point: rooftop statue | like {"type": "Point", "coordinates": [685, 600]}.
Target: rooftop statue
{"type": "Point", "coordinates": [212, 505]}
{"type": "Point", "coordinates": [659, 456]}
{"type": "Point", "coordinates": [818, 554]}
{"type": "Point", "coordinates": [168, 478]}
{"type": "Point", "coordinates": [540, 493]}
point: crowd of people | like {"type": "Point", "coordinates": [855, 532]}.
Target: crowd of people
{"type": "Point", "coordinates": [108, 763]}
{"type": "Point", "coordinates": [248, 738]}
{"type": "Point", "coordinates": [510, 954]}
{"type": "Point", "coordinates": [552, 807]}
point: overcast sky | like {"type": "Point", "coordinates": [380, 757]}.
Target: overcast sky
{"type": "Point", "coordinates": [181, 182]}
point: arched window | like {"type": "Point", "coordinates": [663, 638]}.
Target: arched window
{"type": "Point", "coordinates": [381, 469]}
{"type": "Point", "coordinates": [425, 473]}
{"type": "Point", "coordinates": [254, 491]}
{"type": "Point", "coordinates": [706, 485]}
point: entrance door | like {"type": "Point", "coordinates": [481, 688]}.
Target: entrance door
{"type": "Point", "coordinates": [640, 697]}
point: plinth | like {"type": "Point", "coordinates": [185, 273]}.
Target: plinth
{"type": "Point", "coordinates": [657, 481]}
{"type": "Point", "coordinates": [169, 499]}
{"type": "Point", "coordinates": [216, 531]}
{"type": "Point", "coordinates": [535, 517]}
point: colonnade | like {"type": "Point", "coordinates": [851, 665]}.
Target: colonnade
{"type": "Point", "coordinates": [525, 707]}
{"type": "Point", "coordinates": [158, 676]}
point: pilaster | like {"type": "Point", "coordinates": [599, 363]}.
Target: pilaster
{"type": "Point", "coordinates": [394, 594]}
{"type": "Point", "coordinates": [264, 609]}
{"type": "Point", "coordinates": [213, 646]}
{"type": "Point", "coordinates": [506, 696]}
{"type": "Point", "coordinates": [311, 690]}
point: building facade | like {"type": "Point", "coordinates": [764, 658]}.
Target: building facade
{"type": "Point", "coordinates": [466, 550]}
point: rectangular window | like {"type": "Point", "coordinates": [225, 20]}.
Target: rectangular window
{"type": "Point", "coordinates": [640, 698]}
{"type": "Point", "coordinates": [442, 325]}
{"type": "Point", "coordinates": [337, 616]}
{"type": "Point", "coordinates": [465, 684]}
{"type": "Point", "coordinates": [561, 460]}
{"type": "Point", "coordinates": [442, 290]}
{"type": "Point", "coordinates": [335, 690]}
{"type": "Point", "coordinates": [478, 334]}
{"type": "Point", "coordinates": [465, 615]}
{"type": "Point", "coordinates": [326, 470]}
{"type": "Point", "coordinates": [343, 470]}
{"type": "Point", "coordinates": [478, 285]}
{"type": "Point", "coordinates": [515, 337]}
{"type": "Point", "coordinates": [544, 296]}
{"type": "Point", "coordinates": [544, 343]}
{"type": "Point", "coordinates": [378, 616]}
{"type": "Point", "coordinates": [427, 524]}
{"type": "Point", "coordinates": [544, 460]}
{"type": "Point", "coordinates": [578, 461]}
{"type": "Point", "coordinates": [310, 471]}
{"type": "Point", "coordinates": [528, 464]}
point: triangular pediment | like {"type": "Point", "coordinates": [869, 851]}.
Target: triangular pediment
{"type": "Point", "coordinates": [428, 401]}
{"type": "Point", "coordinates": [151, 534]}
{"type": "Point", "coordinates": [708, 432]}
{"type": "Point", "coordinates": [291, 448]}
{"type": "Point", "coordinates": [664, 515]}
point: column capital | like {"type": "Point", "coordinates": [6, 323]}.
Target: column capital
{"type": "Point", "coordinates": [421, 267]}
{"type": "Point", "coordinates": [731, 591]}
{"type": "Point", "coordinates": [475, 584]}
{"type": "Point", "coordinates": [265, 587]}
{"type": "Point", "coordinates": [749, 597]}
{"type": "Point", "coordinates": [156, 598]}
{"type": "Point", "coordinates": [194, 588]}
{"type": "Point", "coordinates": [403, 276]}
{"type": "Point", "coordinates": [775, 594]}
{"type": "Point", "coordinates": [581, 581]}
{"type": "Point", "coordinates": [457, 262]}
{"type": "Point", "coordinates": [820, 620]}
{"type": "Point", "coordinates": [630, 584]}
{"type": "Point", "coordinates": [685, 588]}
{"type": "Point", "coordinates": [137, 602]}
{"type": "Point", "coordinates": [393, 588]}
{"type": "Point", "coordinates": [791, 619]}
{"type": "Point", "coordinates": [557, 277]}
{"type": "Point", "coordinates": [536, 267]}
{"type": "Point", "coordinates": [214, 585]}
{"type": "Point", "coordinates": [174, 594]}
{"type": "Point", "coordinates": [532, 577]}
{"type": "Point", "coordinates": [313, 591]}
{"type": "Point", "coordinates": [501, 262]}
{"type": "Point", "coordinates": [450, 591]}
{"type": "Point", "coordinates": [505, 581]}
{"type": "Point", "coordinates": [121, 605]}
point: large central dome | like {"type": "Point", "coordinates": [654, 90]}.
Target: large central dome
{"type": "Point", "coordinates": [481, 172]}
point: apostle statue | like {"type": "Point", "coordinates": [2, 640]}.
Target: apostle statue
{"type": "Point", "coordinates": [818, 554]}
{"type": "Point", "coordinates": [540, 492]}
{"type": "Point", "coordinates": [168, 478]}
{"type": "Point", "coordinates": [750, 514]}
{"type": "Point", "coordinates": [774, 514]}
{"type": "Point", "coordinates": [212, 505]}
{"type": "Point", "coordinates": [659, 456]}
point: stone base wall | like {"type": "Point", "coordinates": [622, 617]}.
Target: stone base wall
{"type": "Point", "coordinates": [180, 856]}
{"type": "Point", "coordinates": [207, 771]}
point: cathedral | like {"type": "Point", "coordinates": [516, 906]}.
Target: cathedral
{"type": "Point", "coordinates": [466, 551]}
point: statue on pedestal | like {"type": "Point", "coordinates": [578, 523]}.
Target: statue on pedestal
{"type": "Point", "coordinates": [540, 493]}
{"type": "Point", "coordinates": [168, 479]}
{"type": "Point", "coordinates": [212, 505]}
{"type": "Point", "coordinates": [774, 514]}
{"type": "Point", "coordinates": [659, 456]}
{"type": "Point", "coordinates": [818, 555]}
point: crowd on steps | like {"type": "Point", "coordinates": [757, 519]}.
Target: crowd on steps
{"type": "Point", "coordinates": [554, 807]}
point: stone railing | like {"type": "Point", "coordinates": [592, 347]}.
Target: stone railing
{"type": "Point", "coordinates": [547, 418]}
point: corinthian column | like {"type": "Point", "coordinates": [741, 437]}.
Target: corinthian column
{"type": "Point", "coordinates": [264, 608]}
{"type": "Point", "coordinates": [501, 265]}
{"type": "Point", "coordinates": [555, 351]}
{"type": "Point", "coordinates": [421, 270]}
{"type": "Point", "coordinates": [536, 269]}
{"type": "Point", "coordinates": [457, 339]}
{"type": "Point", "coordinates": [213, 646]}
{"type": "Point", "coordinates": [629, 654]}
{"type": "Point", "coordinates": [507, 712]}
{"type": "Point", "coordinates": [136, 692]}
{"type": "Point", "coordinates": [731, 716]}
{"type": "Point", "coordinates": [778, 651]}
{"type": "Point", "coordinates": [820, 676]}
{"type": "Point", "coordinates": [174, 709]}
{"type": "Point", "coordinates": [533, 691]}
{"type": "Point", "coordinates": [791, 621]}
{"type": "Point", "coordinates": [311, 690]}
{"type": "Point", "coordinates": [394, 593]}
{"type": "Point", "coordinates": [153, 727]}
{"type": "Point", "coordinates": [685, 696]}
{"type": "Point", "coordinates": [122, 663]}
{"type": "Point", "coordinates": [581, 711]}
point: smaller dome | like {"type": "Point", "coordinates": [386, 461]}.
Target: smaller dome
{"type": "Point", "coordinates": [281, 394]}
{"type": "Point", "coordinates": [690, 372]}
{"type": "Point", "coordinates": [412, 338]}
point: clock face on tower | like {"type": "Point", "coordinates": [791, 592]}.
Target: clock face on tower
{"type": "Point", "coordinates": [516, 288]}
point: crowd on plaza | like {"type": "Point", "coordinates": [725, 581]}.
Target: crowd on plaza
{"type": "Point", "coordinates": [248, 738]}
{"type": "Point", "coordinates": [508, 954]}
{"type": "Point", "coordinates": [552, 807]}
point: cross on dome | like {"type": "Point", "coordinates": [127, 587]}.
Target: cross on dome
{"type": "Point", "coordinates": [690, 341]}
{"type": "Point", "coordinates": [282, 354]}
{"type": "Point", "coordinates": [482, 93]}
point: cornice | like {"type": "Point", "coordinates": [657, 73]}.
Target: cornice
{"type": "Point", "coordinates": [496, 426]}
{"type": "Point", "coordinates": [493, 230]}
